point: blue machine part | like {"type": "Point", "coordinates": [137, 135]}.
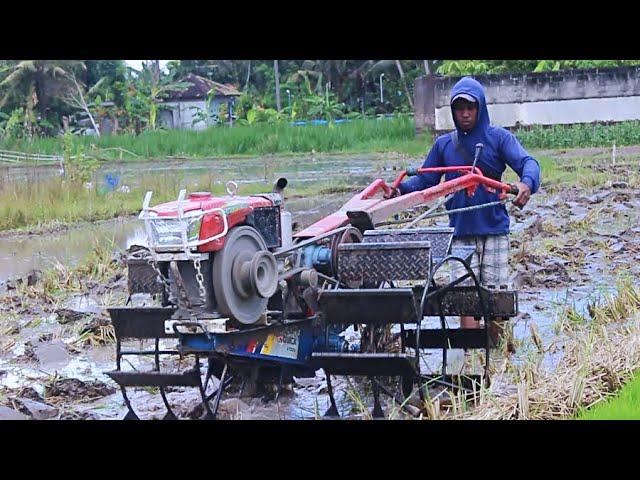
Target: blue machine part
{"type": "Point", "coordinates": [286, 346]}
{"type": "Point", "coordinates": [334, 342]}
{"type": "Point", "coordinates": [289, 345]}
{"type": "Point", "coordinates": [315, 256]}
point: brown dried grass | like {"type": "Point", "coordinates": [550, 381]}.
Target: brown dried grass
{"type": "Point", "coordinates": [599, 358]}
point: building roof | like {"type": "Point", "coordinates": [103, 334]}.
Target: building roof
{"type": "Point", "coordinates": [200, 88]}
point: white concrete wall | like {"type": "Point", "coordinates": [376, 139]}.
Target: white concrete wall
{"type": "Point", "coordinates": [612, 109]}
{"type": "Point", "coordinates": [185, 112]}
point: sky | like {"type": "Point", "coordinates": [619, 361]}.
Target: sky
{"type": "Point", "coordinates": [137, 64]}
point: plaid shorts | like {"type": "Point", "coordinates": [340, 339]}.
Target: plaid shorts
{"type": "Point", "coordinates": [490, 261]}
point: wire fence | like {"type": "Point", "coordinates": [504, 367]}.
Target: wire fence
{"type": "Point", "coordinates": [20, 158]}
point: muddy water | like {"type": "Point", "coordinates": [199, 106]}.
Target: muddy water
{"type": "Point", "coordinates": [20, 254]}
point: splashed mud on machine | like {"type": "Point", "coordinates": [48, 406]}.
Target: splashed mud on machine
{"type": "Point", "coordinates": [244, 294]}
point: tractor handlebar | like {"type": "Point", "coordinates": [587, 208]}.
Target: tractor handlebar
{"type": "Point", "coordinates": [463, 169]}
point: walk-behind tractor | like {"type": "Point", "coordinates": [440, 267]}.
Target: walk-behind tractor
{"type": "Point", "coordinates": [253, 300]}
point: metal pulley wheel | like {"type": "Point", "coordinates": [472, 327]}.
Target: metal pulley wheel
{"type": "Point", "coordinates": [245, 275]}
{"type": "Point", "coordinates": [350, 235]}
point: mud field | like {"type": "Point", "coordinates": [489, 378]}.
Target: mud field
{"type": "Point", "coordinates": [569, 248]}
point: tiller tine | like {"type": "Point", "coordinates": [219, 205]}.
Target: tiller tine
{"type": "Point", "coordinates": [169, 416]}
{"type": "Point", "coordinates": [131, 415]}
{"type": "Point", "coordinates": [332, 412]}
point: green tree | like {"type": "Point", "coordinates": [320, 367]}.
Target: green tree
{"type": "Point", "coordinates": [111, 75]}
{"type": "Point", "coordinates": [222, 71]}
{"type": "Point", "coordinates": [479, 67]}
{"type": "Point", "coordinates": [38, 86]}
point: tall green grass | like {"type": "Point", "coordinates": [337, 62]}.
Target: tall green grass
{"type": "Point", "coordinates": [364, 135]}
{"type": "Point", "coordinates": [580, 135]}
{"type": "Point", "coordinates": [625, 406]}
{"type": "Point", "coordinates": [357, 136]}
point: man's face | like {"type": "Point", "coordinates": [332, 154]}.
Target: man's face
{"type": "Point", "coordinates": [466, 113]}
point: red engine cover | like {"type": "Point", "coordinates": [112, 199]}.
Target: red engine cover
{"type": "Point", "coordinates": [236, 209]}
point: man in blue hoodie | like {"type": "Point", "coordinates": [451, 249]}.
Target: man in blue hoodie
{"type": "Point", "coordinates": [486, 228]}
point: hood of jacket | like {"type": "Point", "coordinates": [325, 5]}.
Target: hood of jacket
{"type": "Point", "coordinates": [472, 87]}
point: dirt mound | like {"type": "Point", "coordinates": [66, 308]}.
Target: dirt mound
{"type": "Point", "coordinates": [76, 390]}
{"type": "Point", "coordinates": [66, 315]}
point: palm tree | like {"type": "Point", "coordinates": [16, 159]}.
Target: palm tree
{"type": "Point", "coordinates": [35, 84]}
